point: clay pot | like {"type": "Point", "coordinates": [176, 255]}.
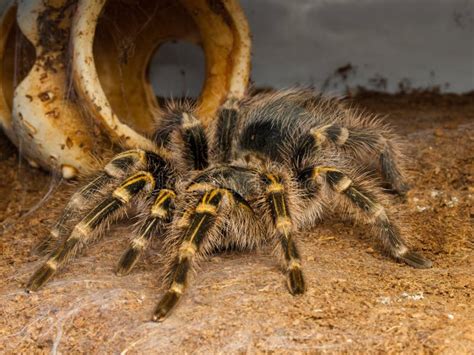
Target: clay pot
{"type": "Point", "coordinates": [87, 86]}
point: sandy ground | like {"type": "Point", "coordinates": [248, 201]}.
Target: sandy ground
{"type": "Point", "coordinates": [357, 300]}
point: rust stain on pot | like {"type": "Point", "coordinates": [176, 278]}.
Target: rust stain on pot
{"type": "Point", "coordinates": [53, 113]}
{"type": "Point", "coordinates": [46, 96]}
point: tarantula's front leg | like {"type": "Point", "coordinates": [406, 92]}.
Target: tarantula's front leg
{"type": "Point", "coordinates": [159, 213]}
{"type": "Point", "coordinates": [202, 221]}
{"type": "Point", "coordinates": [90, 225]}
{"type": "Point", "coordinates": [193, 145]}
{"type": "Point", "coordinates": [113, 172]}
{"type": "Point", "coordinates": [365, 201]}
{"type": "Point", "coordinates": [277, 201]}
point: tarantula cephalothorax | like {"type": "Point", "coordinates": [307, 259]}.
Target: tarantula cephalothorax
{"type": "Point", "coordinates": [268, 167]}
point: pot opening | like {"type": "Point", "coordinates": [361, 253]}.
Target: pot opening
{"type": "Point", "coordinates": [177, 70]}
{"type": "Point", "coordinates": [126, 38]}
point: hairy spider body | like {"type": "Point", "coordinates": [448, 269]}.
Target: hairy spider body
{"type": "Point", "coordinates": [268, 167]}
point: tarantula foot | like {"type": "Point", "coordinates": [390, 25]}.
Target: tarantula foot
{"type": "Point", "coordinates": [40, 277]}
{"type": "Point", "coordinates": [127, 262]}
{"type": "Point", "coordinates": [167, 303]}
{"type": "Point", "coordinates": [401, 188]}
{"type": "Point", "coordinates": [415, 260]}
{"type": "Point", "coordinates": [397, 188]}
{"type": "Point", "coordinates": [296, 282]}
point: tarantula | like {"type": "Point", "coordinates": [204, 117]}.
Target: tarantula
{"type": "Point", "coordinates": [266, 168]}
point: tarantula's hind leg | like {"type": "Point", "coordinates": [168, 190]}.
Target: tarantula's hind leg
{"type": "Point", "coordinates": [115, 170]}
{"type": "Point", "coordinates": [365, 201]}
{"type": "Point", "coordinates": [391, 172]}
{"type": "Point", "coordinates": [363, 137]}
{"type": "Point", "coordinates": [202, 221]}
{"type": "Point", "coordinates": [89, 226]}
{"type": "Point", "coordinates": [277, 200]}
{"type": "Point", "coordinates": [159, 213]}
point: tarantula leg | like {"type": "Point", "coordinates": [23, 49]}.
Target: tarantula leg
{"type": "Point", "coordinates": [226, 126]}
{"type": "Point", "coordinates": [277, 200]}
{"type": "Point", "coordinates": [60, 229]}
{"type": "Point", "coordinates": [360, 140]}
{"type": "Point", "coordinates": [390, 171]}
{"type": "Point", "coordinates": [363, 200]}
{"type": "Point", "coordinates": [89, 225]}
{"type": "Point", "coordinates": [332, 132]}
{"type": "Point", "coordinates": [115, 169]}
{"type": "Point", "coordinates": [160, 212]}
{"type": "Point", "coordinates": [195, 141]}
{"type": "Point", "coordinates": [203, 219]}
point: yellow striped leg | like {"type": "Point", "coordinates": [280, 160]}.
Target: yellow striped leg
{"type": "Point", "coordinates": [363, 139]}
{"type": "Point", "coordinates": [276, 198]}
{"type": "Point", "coordinates": [160, 212]}
{"type": "Point", "coordinates": [203, 219]}
{"type": "Point", "coordinates": [389, 233]}
{"type": "Point", "coordinates": [115, 169]}
{"type": "Point", "coordinates": [86, 228]}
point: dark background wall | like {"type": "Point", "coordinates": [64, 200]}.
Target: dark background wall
{"type": "Point", "coordinates": [332, 44]}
